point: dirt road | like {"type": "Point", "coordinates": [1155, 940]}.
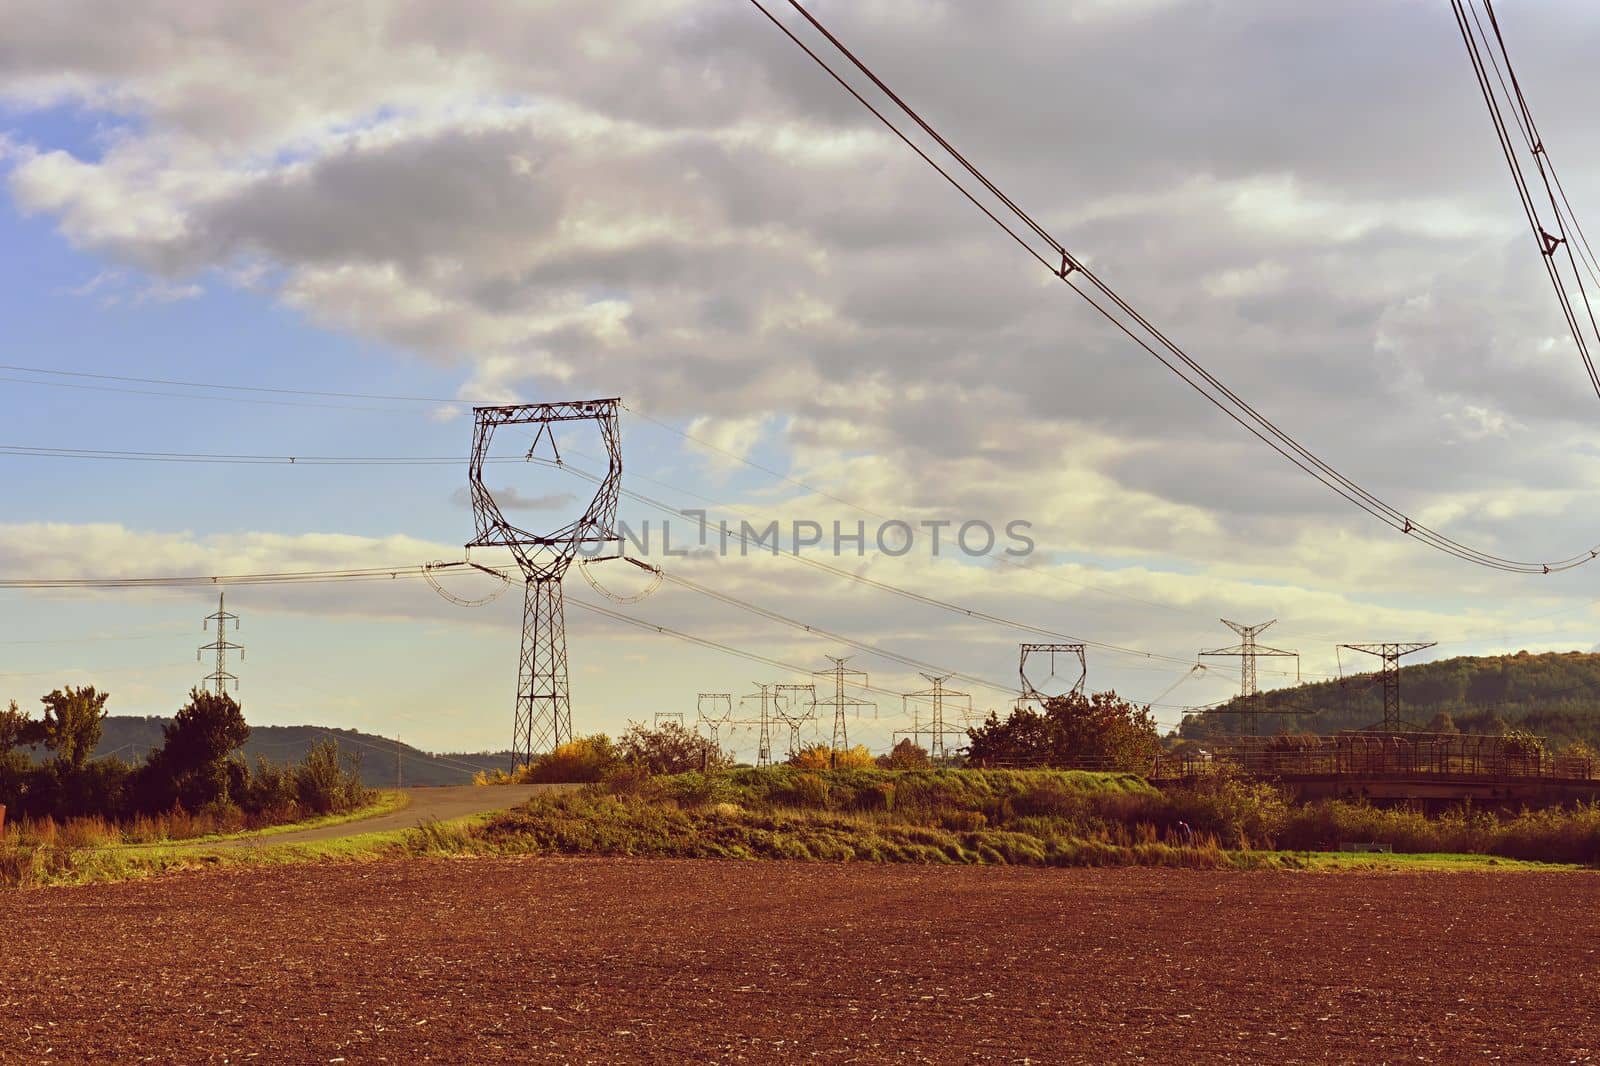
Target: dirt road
{"type": "Point", "coordinates": [455, 801]}
{"type": "Point", "coordinates": [572, 960]}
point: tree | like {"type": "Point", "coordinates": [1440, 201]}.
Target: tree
{"type": "Point", "coordinates": [205, 731]}
{"type": "Point", "coordinates": [1441, 722]}
{"type": "Point", "coordinates": [1103, 731]}
{"type": "Point", "coordinates": [192, 765]}
{"type": "Point", "coordinates": [73, 721]}
{"type": "Point", "coordinates": [906, 755]}
{"type": "Point", "coordinates": [17, 730]}
{"type": "Point", "coordinates": [669, 749]}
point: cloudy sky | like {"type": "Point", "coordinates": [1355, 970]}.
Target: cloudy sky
{"type": "Point", "coordinates": [667, 202]}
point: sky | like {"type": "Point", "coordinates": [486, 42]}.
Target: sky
{"type": "Point", "coordinates": [668, 203]}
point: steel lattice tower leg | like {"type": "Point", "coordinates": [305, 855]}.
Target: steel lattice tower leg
{"type": "Point", "coordinates": [1391, 691]}
{"type": "Point", "coordinates": [764, 747]}
{"type": "Point", "coordinates": [544, 706]}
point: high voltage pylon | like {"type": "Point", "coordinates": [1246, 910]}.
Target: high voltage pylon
{"type": "Point", "coordinates": [544, 705]}
{"type": "Point", "coordinates": [936, 731]}
{"type": "Point", "coordinates": [768, 700]}
{"type": "Point", "coordinates": [1390, 654]}
{"type": "Point", "coordinates": [669, 716]}
{"type": "Point", "coordinates": [1246, 652]}
{"type": "Point", "coordinates": [839, 702]}
{"type": "Point", "coordinates": [797, 711]}
{"type": "Point", "coordinates": [720, 713]}
{"type": "Point", "coordinates": [1030, 691]}
{"type": "Point", "coordinates": [219, 677]}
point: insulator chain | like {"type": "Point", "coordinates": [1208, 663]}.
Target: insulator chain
{"type": "Point", "coordinates": [655, 581]}
{"type": "Point", "coordinates": [463, 601]}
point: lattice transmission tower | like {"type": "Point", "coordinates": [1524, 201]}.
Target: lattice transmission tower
{"type": "Point", "coordinates": [676, 717]}
{"type": "Point", "coordinates": [1246, 651]}
{"type": "Point", "coordinates": [768, 700]}
{"type": "Point", "coordinates": [713, 710]}
{"type": "Point", "coordinates": [544, 704]}
{"type": "Point", "coordinates": [841, 704]}
{"type": "Point", "coordinates": [795, 710]}
{"type": "Point", "coordinates": [1390, 654]}
{"type": "Point", "coordinates": [219, 677]}
{"type": "Point", "coordinates": [937, 730]}
{"type": "Point", "coordinates": [1030, 691]}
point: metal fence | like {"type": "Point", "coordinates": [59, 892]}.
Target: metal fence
{"type": "Point", "coordinates": [1381, 754]}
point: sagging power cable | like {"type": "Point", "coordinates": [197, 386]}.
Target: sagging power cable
{"type": "Point", "coordinates": [1041, 245]}
{"type": "Point", "coordinates": [1491, 65]}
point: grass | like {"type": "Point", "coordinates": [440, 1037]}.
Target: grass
{"type": "Point", "coordinates": [948, 817]}
{"type": "Point", "coordinates": [1036, 818]}
{"type": "Point", "coordinates": [89, 850]}
{"type": "Point", "coordinates": [1334, 862]}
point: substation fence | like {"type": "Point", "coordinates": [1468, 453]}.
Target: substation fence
{"type": "Point", "coordinates": [1382, 754]}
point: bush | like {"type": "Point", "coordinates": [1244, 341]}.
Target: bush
{"type": "Point", "coordinates": [670, 749]}
{"type": "Point", "coordinates": [1239, 811]}
{"type": "Point", "coordinates": [322, 785]}
{"type": "Point", "coordinates": [581, 759]}
{"type": "Point", "coordinates": [906, 755]}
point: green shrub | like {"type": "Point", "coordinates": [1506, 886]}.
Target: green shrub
{"type": "Point", "coordinates": [582, 759]}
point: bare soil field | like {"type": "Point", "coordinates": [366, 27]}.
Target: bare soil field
{"type": "Point", "coordinates": [604, 960]}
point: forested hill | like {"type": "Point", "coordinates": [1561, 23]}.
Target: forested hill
{"type": "Point", "coordinates": [1556, 695]}
{"type": "Point", "coordinates": [133, 738]}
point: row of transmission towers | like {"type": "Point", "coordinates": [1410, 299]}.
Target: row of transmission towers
{"type": "Point", "coordinates": [777, 705]}
{"type": "Point", "coordinates": [543, 717]}
{"type": "Point", "coordinates": [1248, 649]}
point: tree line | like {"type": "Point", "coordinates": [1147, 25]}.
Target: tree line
{"type": "Point", "coordinates": [47, 768]}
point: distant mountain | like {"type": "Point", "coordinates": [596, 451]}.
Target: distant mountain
{"type": "Point", "coordinates": [1556, 695]}
{"type": "Point", "coordinates": [132, 738]}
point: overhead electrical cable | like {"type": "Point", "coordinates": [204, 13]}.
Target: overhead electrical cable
{"type": "Point", "coordinates": [738, 537]}
{"type": "Point", "coordinates": [860, 645]}
{"type": "Point", "coordinates": [1481, 50]}
{"type": "Point", "coordinates": [224, 458]}
{"type": "Point", "coordinates": [326, 460]}
{"type": "Point", "coordinates": [706, 642]}
{"type": "Point", "coordinates": [284, 577]}
{"type": "Point", "coordinates": [1106, 301]}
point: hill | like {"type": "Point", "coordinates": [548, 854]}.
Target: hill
{"type": "Point", "coordinates": [1556, 695]}
{"type": "Point", "coordinates": [132, 737]}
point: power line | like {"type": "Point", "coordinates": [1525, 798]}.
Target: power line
{"type": "Point", "coordinates": [123, 455]}
{"type": "Point", "coordinates": [198, 457]}
{"type": "Point", "coordinates": [1116, 310]}
{"type": "Point", "coordinates": [1484, 60]}
{"type": "Point", "coordinates": [706, 642]}
{"type": "Point", "coordinates": [287, 577]}
{"type": "Point", "coordinates": [849, 575]}
{"type": "Point", "coordinates": [825, 634]}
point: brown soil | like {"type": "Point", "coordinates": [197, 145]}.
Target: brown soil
{"type": "Point", "coordinates": [571, 960]}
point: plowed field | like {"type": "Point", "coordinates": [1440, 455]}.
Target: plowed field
{"type": "Point", "coordinates": [570, 960]}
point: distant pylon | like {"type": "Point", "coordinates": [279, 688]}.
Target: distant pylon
{"type": "Point", "coordinates": [839, 702]}
{"type": "Point", "coordinates": [714, 710]}
{"type": "Point", "coordinates": [218, 678]}
{"type": "Point", "coordinates": [936, 731]}
{"type": "Point", "coordinates": [1246, 652]}
{"type": "Point", "coordinates": [1030, 691]}
{"type": "Point", "coordinates": [669, 716]}
{"type": "Point", "coordinates": [764, 746]}
{"type": "Point", "coordinates": [1390, 654]}
{"type": "Point", "coordinates": [795, 713]}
